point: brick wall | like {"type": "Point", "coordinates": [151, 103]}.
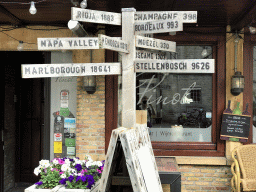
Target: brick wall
{"type": "Point", "coordinates": [91, 121]}
{"type": "Point", "coordinates": [205, 178]}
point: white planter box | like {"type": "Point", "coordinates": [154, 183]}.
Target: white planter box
{"type": "Point", "coordinates": [33, 189]}
{"type": "Point", "coordinates": [63, 189]}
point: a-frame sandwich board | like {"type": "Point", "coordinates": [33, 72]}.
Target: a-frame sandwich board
{"type": "Point", "coordinates": [140, 161]}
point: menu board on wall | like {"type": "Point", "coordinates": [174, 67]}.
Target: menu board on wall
{"type": "Point", "coordinates": [235, 127]}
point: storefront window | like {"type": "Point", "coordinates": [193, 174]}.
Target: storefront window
{"type": "Point", "coordinates": [254, 94]}
{"type": "Point", "coordinates": [179, 106]}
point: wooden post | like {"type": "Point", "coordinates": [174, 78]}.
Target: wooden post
{"type": "Point", "coordinates": [128, 74]}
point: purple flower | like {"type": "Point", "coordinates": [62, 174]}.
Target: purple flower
{"type": "Point", "coordinates": [78, 178]}
{"type": "Point", "coordinates": [78, 167]}
{"type": "Point", "coordinates": [70, 178]}
{"type": "Point", "coordinates": [83, 178]}
{"type": "Point", "coordinates": [90, 181]}
{"type": "Point", "coordinates": [63, 181]}
{"type": "Point", "coordinates": [39, 183]}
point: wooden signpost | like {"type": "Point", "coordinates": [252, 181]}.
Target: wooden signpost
{"type": "Point", "coordinates": [71, 69]}
{"type": "Point", "coordinates": [69, 43]}
{"type": "Point", "coordinates": [155, 44]}
{"type": "Point", "coordinates": [113, 43]}
{"type": "Point", "coordinates": [175, 66]}
{"type": "Point", "coordinates": [184, 16]}
{"type": "Point", "coordinates": [92, 16]}
{"type": "Point", "coordinates": [133, 146]}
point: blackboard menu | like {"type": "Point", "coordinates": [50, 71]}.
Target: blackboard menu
{"type": "Point", "coordinates": [235, 126]}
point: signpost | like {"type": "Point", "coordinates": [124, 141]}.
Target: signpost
{"type": "Point", "coordinates": [71, 69]}
{"type": "Point", "coordinates": [175, 66]}
{"type": "Point", "coordinates": [184, 16]}
{"type": "Point", "coordinates": [113, 43]}
{"type": "Point", "coordinates": [92, 16]}
{"type": "Point", "coordinates": [157, 44]}
{"type": "Point", "coordinates": [68, 43]}
{"type": "Point", "coordinates": [154, 55]}
{"type": "Point", "coordinates": [158, 26]}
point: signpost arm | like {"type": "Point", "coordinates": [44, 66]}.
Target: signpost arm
{"type": "Point", "coordinates": [128, 74]}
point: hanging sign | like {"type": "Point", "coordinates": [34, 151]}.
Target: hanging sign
{"type": "Point", "coordinates": [67, 43]}
{"type": "Point", "coordinates": [92, 16]}
{"type": "Point", "coordinates": [157, 44]}
{"type": "Point", "coordinates": [175, 66]}
{"type": "Point", "coordinates": [113, 43]}
{"type": "Point", "coordinates": [184, 16]}
{"type": "Point", "coordinates": [158, 26]}
{"type": "Point", "coordinates": [69, 69]}
{"type": "Point", "coordinates": [155, 55]}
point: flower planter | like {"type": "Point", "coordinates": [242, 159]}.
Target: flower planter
{"type": "Point", "coordinates": [33, 189]}
{"type": "Point", "coordinates": [63, 189]}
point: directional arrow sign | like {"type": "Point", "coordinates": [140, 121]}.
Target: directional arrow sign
{"type": "Point", "coordinates": [113, 43]}
{"type": "Point", "coordinates": [154, 55]}
{"type": "Point", "coordinates": [157, 44]}
{"type": "Point", "coordinates": [92, 16]}
{"type": "Point", "coordinates": [158, 26]}
{"type": "Point", "coordinates": [185, 16]}
{"type": "Point", "coordinates": [67, 43]}
{"type": "Point", "coordinates": [69, 69]}
{"type": "Point", "coordinates": [175, 66]}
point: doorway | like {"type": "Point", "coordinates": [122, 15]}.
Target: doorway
{"type": "Point", "coordinates": [25, 132]}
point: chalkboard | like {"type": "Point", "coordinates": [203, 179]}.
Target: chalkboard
{"type": "Point", "coordinates": [235, 126]}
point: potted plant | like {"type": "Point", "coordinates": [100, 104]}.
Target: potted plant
{"type": "Point", "coordinates": [50, 177]}
{"type": "Point", "coordinates": [67, 175]}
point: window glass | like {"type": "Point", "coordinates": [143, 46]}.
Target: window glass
{"type": "Point", "coordinates": [179, 106]}
{"type": "Point", "coordinates": [254, 94]}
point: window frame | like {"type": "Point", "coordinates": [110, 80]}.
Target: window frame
{"type": "Point", "coordinates": [217, 146]}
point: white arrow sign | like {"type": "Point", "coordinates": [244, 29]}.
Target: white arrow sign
{"type": "Point", "coordinates": [69, 69]}
{"type": "Point", "coordinates": [92, 16]}
{"type": "Point", "coordinates": [67, 43]}
{"type": "Point", "coordinates": [154, 55]}
{"type": "Point", "coordinates": [113, 43]}
{"type": "Point", "coordinates": [175, 66]}
{"type": "Point", "coordinates": [158, 26]}
{"type": "Point", "coordinates": [157, 44]}
{"type": "Point", "coordinates": [185, 16]}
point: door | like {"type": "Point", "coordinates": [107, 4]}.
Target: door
{"type": "Point", "coordinates": [30, 116]}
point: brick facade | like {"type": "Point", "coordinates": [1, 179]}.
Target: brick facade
{"type": "Point", "coordinates": [91, 120]}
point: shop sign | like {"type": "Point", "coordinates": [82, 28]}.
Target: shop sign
{"type": "Point", "coordinates": [113, 43]}
{"type": "Point", "coordinates": [69, 69]}
{"type": "Point", "coordinates": [185, 16]}
{"type": "Point", "coordinates": [175, 66]}
{"type": "Point", "coordinates": [155, 44]}
{"type": "Point", "coordinates": [92, 16]}
{"type": "Point", "coordinates": [69, 43]}
{"type": "Point", "coordinates": [158, 26]}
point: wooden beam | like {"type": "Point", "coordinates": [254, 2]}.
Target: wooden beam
{"type": "Point", "coordinates": [15, 20]}
{"type": "Point", "coordinates": [245, 19]}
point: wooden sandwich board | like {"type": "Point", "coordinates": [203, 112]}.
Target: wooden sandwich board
{"type": "Point", "coordinates": [139, 157]}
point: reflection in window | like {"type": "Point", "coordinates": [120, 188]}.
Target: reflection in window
{"type": "Point", "coordinates": [254, 94]}
{"type": "Point", "coordinates": [179, 106]}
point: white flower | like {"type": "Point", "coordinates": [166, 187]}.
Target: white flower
{"type": "Point", "coordinates": [89, 163]}
{"type": "Point", "coordinates": [65, 167]}
{"type": "Point", "coordinates": [67, 161]}
{"type": "Point", "coordinates": [37, 170]}
{"type": "Point", "coordinates": [73, 171]}
{"type": "Point", "coordinates": [44, 163]}
{"type": "Point", "coordinates": [55, 161]}
{"type": "Point", "coordinates": [63, 176]}
{"type": "Point", "coordinates": [98, 163]}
